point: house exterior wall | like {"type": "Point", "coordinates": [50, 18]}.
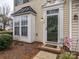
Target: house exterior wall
{"type": "Point", "coordinates": [75, 23]}
{"type": "Point", "coordinates": [36, 5]}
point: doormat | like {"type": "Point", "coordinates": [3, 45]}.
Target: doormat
{"type": "Point", "coordinates": [51, 46]}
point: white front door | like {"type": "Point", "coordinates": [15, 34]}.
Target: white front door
{"type": "Point", "coordinates": [52, 25]}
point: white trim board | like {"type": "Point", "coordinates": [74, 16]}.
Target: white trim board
{"type": "Point", "coordinates": [70, 18]}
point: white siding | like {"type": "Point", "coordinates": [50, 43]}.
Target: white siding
{"type": "Point", "coordinates": [75, 25]}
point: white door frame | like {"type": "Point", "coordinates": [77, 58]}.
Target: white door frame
{"type": "Point", "coordinates": [60, 22]}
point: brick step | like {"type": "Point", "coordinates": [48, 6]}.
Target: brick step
{"type": "Point", "coordinates": [52, 50]}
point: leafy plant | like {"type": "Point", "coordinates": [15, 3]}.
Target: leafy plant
{"type": "Point", "coordinates": [1, 29]}
{"type": "Point", "coordinates": [67, 55]}
{"type": "Point", "coordinates": [5, 41]}
{"type": "Point", "coordinates": [6, 32]}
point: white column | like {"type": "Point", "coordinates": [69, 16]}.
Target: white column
{"type": "Point", "coordinates": [13, 27]}
{"type": "Point", "coordinates": [70, 18]}
{"type": "Point", "coordinates": [20, 17]}
{"type": "Point", "coordinates": [29, 29]}
{"type": "Point", "coordinates": [61, 25]}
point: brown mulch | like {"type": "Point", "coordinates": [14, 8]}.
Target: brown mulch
{"type": "Point", "coordinates": [20, 50]}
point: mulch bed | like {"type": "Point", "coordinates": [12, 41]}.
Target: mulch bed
{"type": "Point", "coordinates": [21, 50]}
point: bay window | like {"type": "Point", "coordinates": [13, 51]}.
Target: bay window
{"type": "Point", "coordinates": [24, 24]}
{"type": "Point", "coordinates": [21, 26]}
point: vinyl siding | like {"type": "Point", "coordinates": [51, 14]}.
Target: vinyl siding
{"type": "Point", "coordinates": [74, 24]}
{"type": "Point", "coordinates": [66, 20]}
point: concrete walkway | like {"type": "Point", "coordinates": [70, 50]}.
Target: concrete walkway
{"type": "Point", "coordinates": [45, 55]}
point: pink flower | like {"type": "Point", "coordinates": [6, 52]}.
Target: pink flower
{"type": "Point", "coordinates": [67, 42]}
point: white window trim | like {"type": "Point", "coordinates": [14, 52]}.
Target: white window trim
{"type": "Point", "coordinates": [60, 28]}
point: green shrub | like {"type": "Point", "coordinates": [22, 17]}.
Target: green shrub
{"type": "Point", "coordinates": [5, 41]}
{"type": "Point", "coordinates": [6, 32]}
{"type": "Point", "coordinates": [67, 55]}
{"type": "Point", "coordinates": [1, 29]}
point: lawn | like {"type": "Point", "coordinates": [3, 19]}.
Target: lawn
{"type": "Point", "coordinates": [20, 50]}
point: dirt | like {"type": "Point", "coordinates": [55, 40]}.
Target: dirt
{"type": "Point", "coordinates": [20, 50]}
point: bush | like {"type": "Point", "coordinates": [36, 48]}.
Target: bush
{"type": "Point", "coordinates": [67, 55]}
{"type": "Point", "coordinates": [1, 29]}
{"type": "Point", "coordinates": [5, 41]}
{"type": "Point", "coordinates": [6, 32]}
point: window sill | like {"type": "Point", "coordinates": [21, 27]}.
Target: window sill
{"type": "Point", "coordinates": [24, 36]}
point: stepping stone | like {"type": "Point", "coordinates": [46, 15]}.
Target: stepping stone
{"type": "Point", "coordinates": [45, 55]}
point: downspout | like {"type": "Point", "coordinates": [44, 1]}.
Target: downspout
{"type": "Point", "coordinates": [78, 29]}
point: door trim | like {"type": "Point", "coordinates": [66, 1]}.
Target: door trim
{"type": "Point", "coordinates": [60, 22]}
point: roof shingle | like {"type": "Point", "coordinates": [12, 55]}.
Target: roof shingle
{"type": "Point", "coordinates": [24, 10]}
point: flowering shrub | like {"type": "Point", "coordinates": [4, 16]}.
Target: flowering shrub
{"type": "Point", "coordinates": [68, 42]}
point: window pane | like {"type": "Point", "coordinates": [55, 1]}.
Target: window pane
{"type": "Point", "coordinates": [16, 30]}
{"type": "Point", "coordinates": [24, 20]}
{"type": "Point", "coordinates": [52, 28]}
{"type": "Point", "coordinates": [16, 23]}
{"type": "Point", "coordinates": [52, 11]}
{"type": "Point", "coordinates": [17, 2]}
{"type": "Point", "coordinates": [24, 31]}
{"type": "Point", "coordinates": [24, 1]}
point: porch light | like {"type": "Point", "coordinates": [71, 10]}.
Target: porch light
{"type": "Point", "coordinates": [75, 17]}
